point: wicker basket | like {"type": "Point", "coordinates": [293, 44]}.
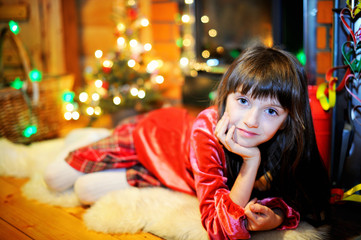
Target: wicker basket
{"type": "Point", "coordinates": [18, 110]}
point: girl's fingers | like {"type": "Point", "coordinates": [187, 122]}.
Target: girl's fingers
{"type": "Point", "coordinates": [222, 127]}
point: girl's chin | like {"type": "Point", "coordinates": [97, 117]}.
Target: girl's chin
{"type": "Point", "coordinates": [247, 143]}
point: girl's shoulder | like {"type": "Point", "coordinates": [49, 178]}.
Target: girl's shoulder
{"type": "Point", "coordinates": [209, 115]}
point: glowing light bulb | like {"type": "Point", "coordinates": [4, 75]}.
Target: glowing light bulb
{"type": "Point", "coordinates": [184, 61]}
{"type": "Point", "coordinates": [205, 19]}
{"type": "Point", "coordinates": [188, 1]}
{"type": "Point", "coordinates": [90, 111]}
{"type": "Point", "coordinates": [35, 75]}
{"type": "Point", "coordinates": [17, 83]}
{"type": "Point", "coordinates": [14, 27]}
{"type": "Point", "coordinates": [212, 33]}
{"type": "Point", "coordinates": [117, 100]}
{"type": "Point", "coordinates": [30, 130]}
{"type": "Point", "coordinates": [141, 94]}
{"type": "Point", "coordinates": [75, 115]}
{"type": "Point", "coordinates": [95, 96]}
{"type": "Point", "coordinates": [98, 53]}
{"type": "Point", "coordinates": [67, 116]}
{"type": "Point", "coordinates": [159, 79]}
{"type": "Point", "coordinates": [121, 27]}
{"type": "Point", "coordinates": [206, 54]}
{"type": "Point", "coordinates": [144, 22]}
{"type": "Point", "coordinates": [107, 64]}
{"type": "Point", "coordinates": [69, 107]}
{"type": "Point", "coordinates": [97, 110]}
{"type": "Point", "coordinates": [131, 63]}
{"type": "Point", "coordinates": [134, 91]}
{"type": "Point", "coordinates": [98, 83]}
{"type": "Point", "coordinates": [121, 42]}
{"type": "Point", "coordinates": [133, 43]}
{"type": "Point", "coordinates": [83, 96]}
{"type": "Point", "coordinates": [153, 65]}
{"type": "Point", "coordinates": [147, 47]}
{"type": "Point", "coordinates": [186, 18]}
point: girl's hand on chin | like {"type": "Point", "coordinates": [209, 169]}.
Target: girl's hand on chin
{"type": "Point", "coordinates": [249, 154]}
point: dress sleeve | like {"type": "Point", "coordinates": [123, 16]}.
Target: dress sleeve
{"type": "Point", "coordinates": [221, 217]}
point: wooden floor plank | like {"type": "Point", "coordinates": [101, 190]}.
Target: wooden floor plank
{"type": "Point", "coordinates": [41, 221]}
{"type": "Point", "coordinates": [9, 232]}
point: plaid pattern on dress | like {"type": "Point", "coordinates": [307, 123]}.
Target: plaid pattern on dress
{"type": "Point", "coordinates": [115, 151]}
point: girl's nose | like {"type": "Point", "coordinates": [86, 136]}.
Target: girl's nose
{"type": "Point", "coordinates": [251, 118]}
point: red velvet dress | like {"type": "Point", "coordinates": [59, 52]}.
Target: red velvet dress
{"type": "Point", "coordinates": [183, 154]}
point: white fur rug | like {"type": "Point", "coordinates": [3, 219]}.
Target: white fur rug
{"type": "Point", "coordinates": [162, 212]}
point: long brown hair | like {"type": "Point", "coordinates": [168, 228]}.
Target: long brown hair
{"type": "Point", "coordinates": [271, 72]}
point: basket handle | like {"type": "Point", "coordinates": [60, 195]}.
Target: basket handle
{"type": "Point", "coordinates": [24, 57]}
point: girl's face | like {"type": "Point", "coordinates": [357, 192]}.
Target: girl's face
{"type": "Point", "coordinates": [256, 120]}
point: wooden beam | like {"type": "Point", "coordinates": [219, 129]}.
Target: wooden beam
{"type": "Point", "coordinates": [16, 12]}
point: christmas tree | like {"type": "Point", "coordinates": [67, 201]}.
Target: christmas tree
{"type": "Point", "coordinates": [126, 78]}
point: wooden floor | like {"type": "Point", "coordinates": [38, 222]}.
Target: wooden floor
{"type": "Point", "coordinates": [21, 218]}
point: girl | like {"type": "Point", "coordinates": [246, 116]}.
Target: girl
{"type": "Point", "coordinates": [251, 160]}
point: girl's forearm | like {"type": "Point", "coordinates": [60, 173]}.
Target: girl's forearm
{"type": "Point", "coordinates": [243, 186]}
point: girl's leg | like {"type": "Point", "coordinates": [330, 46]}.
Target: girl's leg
{"type": "Point", "coordinates": [60, 176]}
{"type": "Point", "coordinates": [92, 186]}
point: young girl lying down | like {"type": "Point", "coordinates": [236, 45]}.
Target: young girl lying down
{"type": "Point", "coordinates": [251, 159]}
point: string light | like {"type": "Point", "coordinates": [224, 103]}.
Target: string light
{"type": "Point", "coordinates": [68, 96]}
{"type": "Point", "coordinates": [98, 53]}
{"type": "Point", "coordinates": [131, 63]}
{"type": "Point", "coordinates": [97, 110]}
{"type": "Point", "coordinates": [147, 47]}
{"type": "Point", "coordinates": [186, 18]}
{"type": "Point", "coordinates": [212, 32]}
{"type": "Point", "coordinates": [29, 131]}
{"type": "Point", "coordinates": [133, 43]}
{"type": "Point", "coordinates": [107, 64]}
{"type": "Point", "coordinates": [35, 75]}
{"type": "Point", "coordinates": [121, 27]}
{"type": "Point", "coordinates": [14, 27]}
{"type": "Point", "coordinates": [83, 97]}
{"type": "Point", "coordinates": [67, 116]}
{"type": "Point", "coordinates": [90, 111]}
{"type": "Point", "coordinates": [17, 83]}
{"type": "Point", "coordinates": [121, 41]}
{"type": "Point", "coordinates": [205, 19]}
{"type": "Point", "coordinates": [69, 107]}
{"type": "Point", "coordinates": [141, 94]}
{"type": "Point", "coordinates": [134, 91]}
{"type": "Point", "coordinates": [159, 79]}
{"type": "Point", "coordinates": [144, 22]}
{"type": "Point", "coordinates": [75, 115]}
{"type": "Point", "coordinates": [184, 61]}
{"type": "Point", "coordinates": [95, 96]}
{"type": "Point", "coordinates": [98, 83]}
{"type": "Point", "coordinates": [117, 100]}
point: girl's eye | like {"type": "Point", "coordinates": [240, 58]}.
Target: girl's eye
{"type": "Point", "coordinates": [272, 112]}
{"type": "Point", "coordinates": [242, 101]}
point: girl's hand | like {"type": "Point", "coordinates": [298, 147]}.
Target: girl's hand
{"type": "Point", "coordinates": [225, 136]}
{"type": "Point", "coordinates": [261, 218]}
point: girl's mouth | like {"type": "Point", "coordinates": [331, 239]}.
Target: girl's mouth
{"type": "Point", "coordinates": [246, 133]}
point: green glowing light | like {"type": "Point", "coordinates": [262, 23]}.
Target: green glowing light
{"type": "Point", "coordinates": [179, 42]}
{"type": "Point", "coordinates": [14, 27]}
{"type": "Point", "coordinates": [17, 83]}
{"type": "Point", "coordinates": [68, 96]}
{"type": "Point", "coordinates": [301, 56]}
{"type": "Point", "coordinates": [30, 130]}
{"type": "Point", "coordinates": [35, 75]}
{"type": "Point", "coordinates": [234, 54]}
{"type": "Point", "coordinates": [212, 95]}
